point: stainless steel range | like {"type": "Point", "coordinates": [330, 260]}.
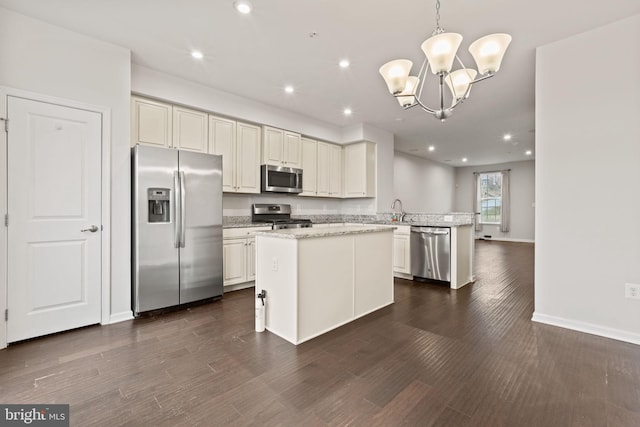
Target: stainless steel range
{"type": "Point", "coordinates": [279, 216]}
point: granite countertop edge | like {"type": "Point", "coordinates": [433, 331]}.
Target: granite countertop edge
{"type": "Point", "coordinates": [381, 222]}
{"type": "Point", "coordinates": [308, 233]}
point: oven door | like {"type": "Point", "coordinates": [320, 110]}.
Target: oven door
{"type": "Point", "coordinates": [280, 179]}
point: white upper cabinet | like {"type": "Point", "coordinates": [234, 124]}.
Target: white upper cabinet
{"type": "Point", "coordinates": [329, 176]}
{"type": "Point", "coordinates": [222, 141]}
{"type": "Point", "coordinates": [150, 122]}
{"type": "Point", "coordinates": [335, 168]}
{"type": "Point", "coordinates": [281, 148]}
{"type": "Point", "coordinates": [360, 170]}
{"type": "Point", "coordinates": [248, 158]}
{"type": "Point", "coordinates": [292, 153]}
{"type": "Point", "coordinates": [309, 167]}
{"type": "Point", "coordinates": [272, 146]}
{"type": "Point", "coordinates": [190, 129]}
{"type": "Point", "coordinates": [165, 125]}
{"type": "Point", "coordinates": [239, 145]}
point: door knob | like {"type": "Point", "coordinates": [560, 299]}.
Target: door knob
{"type": "Point", "coordinates": [92, 229]}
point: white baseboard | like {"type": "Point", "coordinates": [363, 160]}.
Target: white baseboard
{"type": "Point", "coordinates": [120, 317]}
{"type": "Point", "coordinates": [588, 328]}
{"type": "Point", "coordinates": [507, 239]}
{"type": "Point", "coordinates": [238, 286]}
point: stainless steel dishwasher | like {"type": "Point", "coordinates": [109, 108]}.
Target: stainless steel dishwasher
{"type": "Point", "coordinates": [430, 253]}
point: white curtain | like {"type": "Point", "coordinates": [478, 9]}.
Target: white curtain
{"type": "Point", "coordinates": [506, 202]}
{"type": "Point", "coordinates": [476, 196]}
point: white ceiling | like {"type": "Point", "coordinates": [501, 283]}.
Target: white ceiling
{"type": "Point", "coordinates": [256, 55]}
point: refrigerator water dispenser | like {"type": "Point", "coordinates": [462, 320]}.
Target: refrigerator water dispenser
{"type": "Point", "coordinates": [158, 201]}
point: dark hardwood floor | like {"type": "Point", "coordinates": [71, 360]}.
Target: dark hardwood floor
{"type": "Point", "coordinates": [437, 357]}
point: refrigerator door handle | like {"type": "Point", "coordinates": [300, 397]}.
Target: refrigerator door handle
{"type": "Point", "coordinates": [178, 210]}
{"type": "Point", "coordinates": [183, 208]}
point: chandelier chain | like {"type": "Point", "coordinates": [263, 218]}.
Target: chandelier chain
{"type": "Point", "coordinates": [438, 29]}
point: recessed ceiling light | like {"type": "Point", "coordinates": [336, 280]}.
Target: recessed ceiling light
{"type": "Point", "coordinates": [432, 148]}
{"type": "Point", "coordinates": [528, 153]}
{"type": "Point", "coordinates": [464, 160]}
{"type": "Point", "coordinates": [242, 6]}
{"type": "Point", "coordinates": [344, 63]}
{"type": "Point", "coordinates": [347, 111]}
{"type": "Point", "coordinates": [288, 89]}
{"type": "Point", "coordinates": [507, 137]}
{"type": "Point", "coordinates": [197, 54]}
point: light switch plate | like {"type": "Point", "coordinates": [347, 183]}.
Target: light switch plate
{"type": "Point", "coordinates": [632, 290]}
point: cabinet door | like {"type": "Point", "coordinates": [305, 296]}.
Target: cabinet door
{"type": "Point", "coordinates": [401, 253]}
{"type": "Point", "coordinates": [324, 169]}
{"type": "Point", "coordinates": [248, 158]}
{"type": "Point", "coordinates": [335, 175]}
{"type": "Point", "coordinates": [234, 256]}
{"type": "Point", "coordinates": [190, 129]}
{"type": "Point", "coordinates": [273, 146]}
{"type": "Point", "coordinates": [251, 258]}
{"type": "Point", "coordinates": [292, 150]}
{"type": "Point", "coordinates": [150, 122]}
{"type": "Point", "coordinates": [354, 170]}
{"type": "Point", "coordinates": [309, 167]}
{"type": "Point", "coordinates": [360, 170]}
{"type": "Point", "coordinates": [222, 141]}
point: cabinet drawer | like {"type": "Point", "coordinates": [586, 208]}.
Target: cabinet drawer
{"type": "Point", "coordinates": [229, 233]}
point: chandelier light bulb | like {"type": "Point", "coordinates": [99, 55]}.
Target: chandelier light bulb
{"type": "Point", "coordinates": [395, 74]}
{"type": "Point", "coordinates": [488, 52]}
{"type": "Point", "coordinates": [407, 97]}
{"type": "Point", "coordinates": [459, 82]}
{"type": "Point", "coordinates": [440, 51]}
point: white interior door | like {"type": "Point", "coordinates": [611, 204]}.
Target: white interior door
{"type": "Point", "coordinates": [54, 228]}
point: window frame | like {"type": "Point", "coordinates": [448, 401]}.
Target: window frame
{"type": "Point", "coordinates": [480, 199]}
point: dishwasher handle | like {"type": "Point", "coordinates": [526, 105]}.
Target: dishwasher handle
{"type": "Point", "coordinates": [425, 230]}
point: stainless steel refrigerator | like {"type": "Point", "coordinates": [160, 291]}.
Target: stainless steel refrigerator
{"type": "Point", "coordinates": [176, 227]}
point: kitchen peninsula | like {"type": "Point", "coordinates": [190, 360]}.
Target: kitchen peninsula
{"type": "Point", "coordinates": [319, 279]}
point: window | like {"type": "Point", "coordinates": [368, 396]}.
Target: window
{"type": "Point", "coordinates": [490, 197]}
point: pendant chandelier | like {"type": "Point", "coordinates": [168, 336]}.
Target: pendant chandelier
{"type": "Point", "coordinates": [440, 51]}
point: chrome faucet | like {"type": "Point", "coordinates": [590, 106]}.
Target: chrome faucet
{"type": "Point", "coordinates": [402, 212]}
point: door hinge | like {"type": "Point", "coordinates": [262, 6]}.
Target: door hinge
{"type": "Point", "coordinates": [6, 314]}
{"type": "Point", "coordinates": [6, 220]}
{"type": "Point", "coordinates": [6, 123]}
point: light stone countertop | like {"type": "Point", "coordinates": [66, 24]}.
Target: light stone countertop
{"type": "Point", "coordinates": [305, 233]}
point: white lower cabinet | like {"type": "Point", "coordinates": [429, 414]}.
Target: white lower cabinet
{"type": "Point", "coordinates": [239, 256]}
{"type": "Point", "coordinates": [401, 250]}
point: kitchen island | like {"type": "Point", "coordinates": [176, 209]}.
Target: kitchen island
{"type": "Point", "coordinates": [319, 279]}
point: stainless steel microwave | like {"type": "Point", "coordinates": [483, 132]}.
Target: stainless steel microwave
{"type": "Point", "coordinates": [281, 179]}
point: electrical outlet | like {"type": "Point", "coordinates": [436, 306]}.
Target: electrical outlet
{"type": "Point", "coordinates": [274, 264]}
{"type": "Point", "coordinates": [448, 218]}
{"type": "Point", "coordinates": [632, 290]}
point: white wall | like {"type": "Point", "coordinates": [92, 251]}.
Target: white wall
{"type": "Point", "coordinates": [45, 59]}
{"type": "Point", "coordinates": [588, 181]}
{"type": "Point", "coordinates": [423, 185]}
{"type": "Point", "coordinates": [522, 199]}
